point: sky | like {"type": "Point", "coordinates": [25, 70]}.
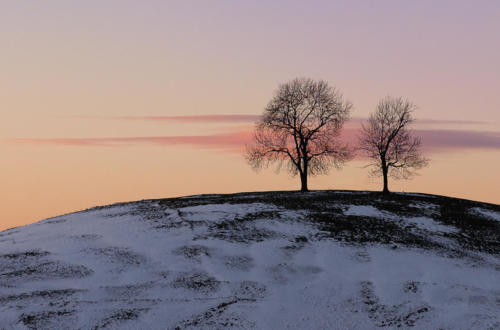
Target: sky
{"type": "Point", "coordinates": [103, 102]}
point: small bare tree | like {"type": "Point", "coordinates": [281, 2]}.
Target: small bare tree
{"type": "Point", "coordinates": [299, 128]}
{"type": "Point", "coordinates": [388, 142]}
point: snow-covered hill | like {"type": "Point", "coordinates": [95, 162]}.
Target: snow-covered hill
{"type": "Point", "coordinates": [320, 260]}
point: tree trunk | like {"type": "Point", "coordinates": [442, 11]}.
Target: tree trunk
{"type": "Point", "coordinates": [303, 177]}
{"type": "Point", "coordinates": [303, 182]}
{"type": "Point", "coordinates": [384, 172]}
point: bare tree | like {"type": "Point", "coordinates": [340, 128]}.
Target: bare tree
{"type": "Point", "coordinates": [300, 129]}
{"type": "Point", "coordinates": [388, 142]}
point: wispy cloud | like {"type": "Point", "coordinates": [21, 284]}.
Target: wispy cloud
{"type": "Point", "coordinates": [234, 141]}
{"type": "Point", "coordinates": [435, 136]}
{"type": "Point", "coordinates": [188, 119]}
{"type": "Point", "coordinates": [432, 140]}
{"type": "Point", "coordinates": [437, 122]}
{"type": "Point", "coordinates": [458, 139]}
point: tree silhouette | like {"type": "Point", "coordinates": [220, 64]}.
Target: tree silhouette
{"type": "Point", "coordinates": [300, 129]}
{"type": "Point", "coordinates": [388, 142]}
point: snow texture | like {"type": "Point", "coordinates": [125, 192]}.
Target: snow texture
{"type": "Point", "coordinates": [367, 211]}
{"type": "Point", "coordinates": [261, 261]}
{"type": "Point", "coordinates": [486, 213]}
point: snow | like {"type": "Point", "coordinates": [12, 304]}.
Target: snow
{"type": "Point", "coordinates": [425, 206]}
{"type": "Point", "coordinates": [487, 213]}
{"type": "Point", "coordinates": [429, 224]}
{"type": "Point", "coordinates": [218, 212]}
{"type": "Point", "coordinates": [213, 265]}
{"type": "Point", "coordinates": [422, 222]}
{"type": "Point", "coordinates": [366, 211]}
{"type": "Point", "coordinates": [348, 192]}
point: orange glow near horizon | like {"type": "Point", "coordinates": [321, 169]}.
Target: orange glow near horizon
{"type": "Point", "coordinates": [58, 176]}
{"type": "Point", "coordinates": [122, 100]}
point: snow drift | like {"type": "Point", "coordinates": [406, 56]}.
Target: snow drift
{"type": "Point", "coordinates": [319, 260]}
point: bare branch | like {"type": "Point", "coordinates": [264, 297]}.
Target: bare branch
{"type": "Point", "coordinates": [387, 141]}
{"type": "Point", "coordinates": [300, 126]}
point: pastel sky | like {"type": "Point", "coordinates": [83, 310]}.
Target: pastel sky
{"type": "Point", "coordinates": [108, 101]}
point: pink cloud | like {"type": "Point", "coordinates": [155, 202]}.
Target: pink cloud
{"type": "Point", "coordinates": [433, 140]}
{"type": "Point", "coordinates": [234, 141]}
{"type": "Point", "coordinates": [442, 139]}
{"type": "Point", "coordinates": [418, 122]}
{"type": "Point", "coordinates": [200, 118]}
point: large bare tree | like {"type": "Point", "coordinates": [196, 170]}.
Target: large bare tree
{"type": "Point", "coordinates": [300, 129]}
{"type": "Point", "coordinates": [386, 139]}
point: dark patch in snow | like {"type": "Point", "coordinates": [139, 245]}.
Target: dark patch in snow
{"type": "Point", "coordinates": [17, 260]}
{"type": "Point", "coordinates": [478, 232]}
{"type": "Point", "coordinates": [301, 239]}
{"type": "Point", "coordinates": [482, 233]}
{"type": "Point", "coordinates": [119, 317]}
{"type": "Point", "coordinates": [250, 290]}
{"type": "Point", "coordinates": [35, 266]}
{"type": "Point", "coordinates": [24, 255]}
{"type": "Point", "coordinates": [217, 317]}
{"type": "Point", "coordinates": [87, 237]}
{"type": "Point", "coordinates": [192, 251]}
{"type": "Point", "coordinates": [298, 244]}
{"type": "Point", "coordinates": [237, 231]}
{"type": "Point", "coordinates": [390, 316]}
{"type": "Point", "coordinates": [47, 319]}
{"type": "Point", "coordinates": [412, 287]}
{"type": "Point", "coordinates": [42, 294]}
{"type": "Point", "coordinates": [118, 255]}
{"type": "Point", "coordinates": [360, 229]}
{"type": "Point", "coordinates": [198, 281]}
{"type": "Point", "coordinates": [46, 270]}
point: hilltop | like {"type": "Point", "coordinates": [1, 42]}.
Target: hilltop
{"type": "Point", "coordinates": [272, 260]}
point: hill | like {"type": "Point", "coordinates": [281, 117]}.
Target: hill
{"type": "Point", "coordinates": [274, 260]}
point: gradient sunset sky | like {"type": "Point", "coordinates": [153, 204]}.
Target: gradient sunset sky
{"type": "Point", "coordinates": [108, 101]}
